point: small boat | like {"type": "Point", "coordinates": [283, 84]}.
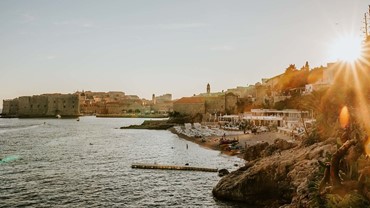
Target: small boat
{"type": "Point", "coordinates": [78, 119]}
{"type": "Point", "coordinates": [58, 116]}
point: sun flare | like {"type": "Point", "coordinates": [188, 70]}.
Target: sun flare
{"type": "Point", "coordinates": [346, 48]}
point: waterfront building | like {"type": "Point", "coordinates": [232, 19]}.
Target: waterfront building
{"type": "Point", "coordinates": [288, 121]}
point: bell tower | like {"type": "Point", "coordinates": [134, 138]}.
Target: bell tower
{"type": "Point", "coordinates": [208, 88]}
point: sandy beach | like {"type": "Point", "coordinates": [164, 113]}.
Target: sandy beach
{"type": "Point", "coordinates": [212, 142]}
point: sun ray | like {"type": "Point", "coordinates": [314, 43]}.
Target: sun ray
{"type": "Point", "coordinates": [347, 47]}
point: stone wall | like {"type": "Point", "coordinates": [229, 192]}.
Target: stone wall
{"type": "Point", "coordinates": [42, 106]}
{"type": "Point", "coordinates": [10, 107]}
{"type": "Point", "coordinates": [164, 98]}
{"type": "Point", "coordinates": [32, 106]}
{"type": "Point", "coordinates": [163, 106]}
{"type": "Point", "coordinates": [191, 109]}
{"type": "Point", "coordinates": [6, 107]}
{"type": "Point", "coordinates": [231, 103]}
{"type": "Point", "coordinates": [64, 105]}
{"type": "Point", "coordinates": [215, 104]}
{"type": "Point", "coordinates": [208, 105]}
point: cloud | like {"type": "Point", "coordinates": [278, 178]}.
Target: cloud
{"type": "Point", "coordinates": [222, 48]}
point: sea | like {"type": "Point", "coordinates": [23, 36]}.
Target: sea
{"type": "Point", "coordinates": [87, 163]}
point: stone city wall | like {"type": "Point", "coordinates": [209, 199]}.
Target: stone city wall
{"type": "Point", "coordinates": [42, 106]}
{"type": "Point", "coordinates": [189, 109]}
{"type": "Point", "coordinates": [10, 107]}
{"type": "Point", "coordinates": [231, 103]}
{"type": "Point", "coordinates": [215, 104]}
{"type": "Point", "coordinates": [64, 105]}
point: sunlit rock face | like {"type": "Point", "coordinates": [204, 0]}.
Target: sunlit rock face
{"type": "Point", "coordinates": [264, 149]}
{"type": "Point", "coordinates": [279, 179]}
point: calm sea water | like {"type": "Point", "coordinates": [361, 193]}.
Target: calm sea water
{"type": "Point", "coordinates": [66, 163]}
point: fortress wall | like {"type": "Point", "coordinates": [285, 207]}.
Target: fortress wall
{"type": "Point", "coordinates": [6, 107]}
{"type": "Point", "coordinates": [43, 105]}
{"type": "Point", "coordinates": [24, 106]}
{"type": "Point", "coordinates": [231, 101]}
{"type": "Point", "coordinates": [64, 105]}
{"type": "Point", "coordinates": [14, 106]}
{"type": "Point", "coordinates": [189, 109]}
{"type": "Point", "coordinates": [38, 105]}
{"type": "Point", "coordinates": [215, 104]}
{"type": "Point", "coordinates": [52, 106]}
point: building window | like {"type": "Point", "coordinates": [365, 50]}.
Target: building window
{"type": "Point", "coordinates": [31, 106]}
{"type": "Point", "coordinates": [73, 106]}
{"type": "Point", "coordinates": [64, 106]}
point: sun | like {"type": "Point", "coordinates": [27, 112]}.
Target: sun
{"type": "Point", "coordinates": [346, 48]}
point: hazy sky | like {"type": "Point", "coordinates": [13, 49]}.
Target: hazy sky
{"type": "Point", "coordinates": [163, 46]}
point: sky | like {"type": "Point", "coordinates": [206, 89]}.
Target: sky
{"type": "Point", "coordinates": [145, 47]}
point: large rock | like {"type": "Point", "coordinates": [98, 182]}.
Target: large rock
{"type": "Point", "coordinates": [254, 152]}
{"type": "Point", "coordinates": [280, 179]}
{"type": "Point", "coordinates": [223, 172]}
{"type": "Point", "coordinates": [283, 144]}
{"type": "Point", "coordinates": [265, 149]}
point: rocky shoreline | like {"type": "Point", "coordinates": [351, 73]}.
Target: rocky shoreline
{"type": "Point", "coordinates": [283, 179]}
{"type": "Point", "coordinates": [151, 125]}
{"type": "Point", "coordinates": [279, 171]}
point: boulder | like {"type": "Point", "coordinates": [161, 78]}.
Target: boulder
{"type": "Point", "coordinates": [265, 149]}
{"type": "Point", "coordinates": [223, 172]}
{"type": "Point", "coordinates": [277, 180]}
{"type": "Point", "coordinates": [253, 152]}
{"type": "Point", "coordinates": [283, 144]}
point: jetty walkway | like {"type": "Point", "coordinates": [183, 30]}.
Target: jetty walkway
{"type": "Point", "coordinates": [172, 167]}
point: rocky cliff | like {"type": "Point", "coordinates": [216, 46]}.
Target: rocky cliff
{"type": "Point", "coordinates": [280, 177]}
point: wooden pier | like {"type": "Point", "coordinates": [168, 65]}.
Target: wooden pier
{"type": "Point", "coordinates": [172, 167]}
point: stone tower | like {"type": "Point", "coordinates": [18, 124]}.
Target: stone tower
{"type": "Point", "coordinates": [208, 88]}
{"type": "Point", "coordinates": [153, 99]}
